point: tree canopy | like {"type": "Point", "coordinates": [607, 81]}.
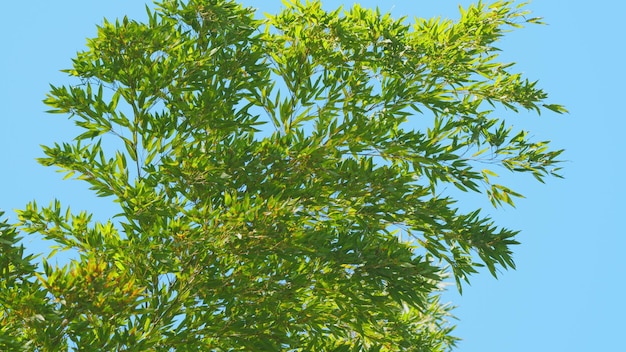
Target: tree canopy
{"type": "Point", "coordinates": [281, 181]}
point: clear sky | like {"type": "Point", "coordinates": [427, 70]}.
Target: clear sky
{"type": "Point", "coordinates": [567, 293]}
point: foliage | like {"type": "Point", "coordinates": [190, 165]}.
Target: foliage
{"type": "Point", "coordinates": [274, 190]}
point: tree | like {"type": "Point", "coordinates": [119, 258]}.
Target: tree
{"type": "Point", "coordinates": [274, 190]}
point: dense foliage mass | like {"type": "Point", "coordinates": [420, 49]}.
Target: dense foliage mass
{"type": "Point", "coordinates": [280, 181]}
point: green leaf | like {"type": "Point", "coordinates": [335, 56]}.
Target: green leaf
{"type": "Point", "coordinates": [556, 108]}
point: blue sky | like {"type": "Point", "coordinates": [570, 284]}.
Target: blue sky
{"type": "Point", "coordinates": [567, 293]}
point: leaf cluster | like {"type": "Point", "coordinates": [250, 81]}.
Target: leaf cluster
{"type": "Point", "coordinates": [274, 190]}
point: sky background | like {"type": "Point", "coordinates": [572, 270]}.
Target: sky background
{"type": "Point", "coordinates": [567, 293]}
